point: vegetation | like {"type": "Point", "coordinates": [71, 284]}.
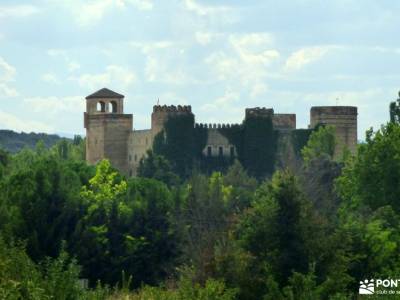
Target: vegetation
{"type": "Point", "coordinates": [14, 142]}
{"type": "Point", "coordinates": [312, 233]}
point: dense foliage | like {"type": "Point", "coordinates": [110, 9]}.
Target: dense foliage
{"type": "Point", "coordinates": [309, 233]}
{"type": "Point", "coordinates": [13, 141]}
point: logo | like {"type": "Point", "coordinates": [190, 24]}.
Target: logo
{"type": "Point", "coordinates": [367, 287]}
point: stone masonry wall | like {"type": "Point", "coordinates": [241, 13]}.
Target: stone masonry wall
{"type": "Point", "coordinates": [344, 119]}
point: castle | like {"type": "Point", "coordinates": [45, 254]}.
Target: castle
{"type": "Point", "coordinates": [109, 132]}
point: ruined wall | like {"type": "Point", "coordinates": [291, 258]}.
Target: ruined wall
{"type": "Point", "coordinates": [344, 119]}
{"type": "Point", "coordinates": [139, 142]}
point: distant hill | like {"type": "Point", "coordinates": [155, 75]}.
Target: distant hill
{"type": "Point", "coordinates": [13, 141]}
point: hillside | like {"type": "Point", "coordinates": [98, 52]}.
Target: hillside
{"type": "Point", "coordinates": [13, 141]}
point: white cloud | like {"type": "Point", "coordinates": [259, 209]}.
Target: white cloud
{"type": "Point", "coordinates": [73, 66]}
{"type": "Point", "coordinates": [55, 105]}
{"type": "Point", "coordinates": [149, 47]}
{"type": "Point", "coordinates": [7, 71]}
{"type": "Point", "coordinates": [115, 75]}
{"type": "Point", "coordinates": [10, 121]}
{"type": "Point", "coordinates": [204, 38]}
{"type": "Point", "coordinates": [142, 4]}
{"type": "Point", "coordinates": [7, 75]}
{"type": "Point", "coordinates": [50, 78]}
{"type": "Point", "coordinates": [89, 13]}
{"type": "Point", "coordinates": [254, 48]}
{"type": "Point", "coordinates": [7, 91]}
{"type": "Point", "coordinates": [17, 11]}
{"type": "Point", "coordinates": [203, 10]}
{"type": "Point", "coordinates": [245, 63]}
{"type": "Point", "coordinates": [162, 61]}
{"type": "Point", "coordinates": [305, 56]}
{"type": "Point", "coordinates": [227, 103]}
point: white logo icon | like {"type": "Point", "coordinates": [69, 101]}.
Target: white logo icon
{"type": "Point", "coordinates": [367, 287]}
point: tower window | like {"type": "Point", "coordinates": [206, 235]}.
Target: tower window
{"type": "Point", "coordinates": [114, 107]}
{"type": "Point", "coordinates": [130, 157]}
{"type": "Point", "coordinates": [135, 157]}
{"type": "Point", "coordinates": [209, 151]}
{"type": "Point", "coordinates": [101, 106]}
{"type": "Point", "coordinates": [220, 151]}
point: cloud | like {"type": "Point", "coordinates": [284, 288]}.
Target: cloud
{"type": "Point", "coordinates": [204, 10]}
{"type": "Point", "coordinates": [7, 75]}
{"type": "Point", "coordinates": [7, 91]}
{"type": "Point", "coordinates": [115, 75]}
{"type": "Point", "coordinates": [162, 61]}
{"type": "Point", "coordinates": [149, 47]}
{"type": "Point", "coordinates": [7, 71]}
{"type": "Point", "coordinates": [228, 103]}
{"type": "Point", "coordinates": [89, 13]}
{"type": "Point", "coordinates": [18, 11]}
{"type": "Point", "coordinates": [204, 38]}
{"type": "Point", "coordinates": [223, 102]}
{"type": "Point", "coordinates": [50, 78]}
{"type": "Point", "coordinates": [244, 64]}
{"type": "Point", "coordinates": [10, 121]}
{"type": "Point", "coordinates": [71, 64]}
{"type": "Point", "coordinates": [55, 105]}
{"type": "Point", "coordinates": [305, 56]}
{"type": "Point", "coordinates": [142, 4]}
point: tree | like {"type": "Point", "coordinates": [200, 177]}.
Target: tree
{"type": "Point", "coordinates": [395, 111]}
{"type": "Point", "coordinates": [372, 178]}
{"type": "Point", "coordinates": [274, 229]}
{"type": "Point", "coordinates": [125, 226]}
{"type": "Point", "coordinates": [321, 143]}
{"type": "Point", "coordinates": [243, 186]}
{"type": "Point", "coordinates": [157, 167]}
{"type": "Point", "coordinates": [42, 195]}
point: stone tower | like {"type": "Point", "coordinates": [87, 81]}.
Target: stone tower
{"type": "Point", "coordinates": [107, 128]}
{"type": "Point", "coordinates": [161, 114]}
{"type": "Point", "coordinates": [344, 119]}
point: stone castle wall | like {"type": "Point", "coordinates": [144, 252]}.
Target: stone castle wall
{"type": "Point", "coordinates": [109, 131]}
{"type": "Point", "coordinates": [344, 119]}
{"type": "Point", "coordinates": [140, 141]}
{"type": "Point", "coordinates": [107, 136]}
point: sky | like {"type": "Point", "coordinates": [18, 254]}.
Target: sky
{"type": "Point", "coordinates": [218, 56]}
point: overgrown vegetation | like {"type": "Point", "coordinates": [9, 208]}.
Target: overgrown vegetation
{"type": "Point", "coordinates": [310, 235]}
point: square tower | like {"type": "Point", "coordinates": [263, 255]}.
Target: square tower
{"type": "Point", "coordinates": [107, 129]}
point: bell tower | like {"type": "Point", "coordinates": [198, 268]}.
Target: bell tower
{"type": "Point", "coordinates": [107, 129]}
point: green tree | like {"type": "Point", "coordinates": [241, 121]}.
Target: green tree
{"type": "Point", "coordinates": [321, 143]}
{"type": "Point", "coordinates": [372, 178]}
{"type": "Point", "coordinates": [157, 167]}
{"type": "Point", "coordinates": [394, 109]}
{"type": "Point", "coordinates": [125, 226]}
{"type": "Point", "coordinates": [274, 230]}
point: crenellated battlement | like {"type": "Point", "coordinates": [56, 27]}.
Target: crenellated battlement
{"type": "Point", "coordinates": [172, 108]}
{"type": "Point", "coordinates": [215, 125]}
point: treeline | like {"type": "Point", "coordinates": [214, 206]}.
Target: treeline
{"type": "Point", "coordinates": [13, 141]}
{"type": "Point", "coordinates": [309, 233]}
